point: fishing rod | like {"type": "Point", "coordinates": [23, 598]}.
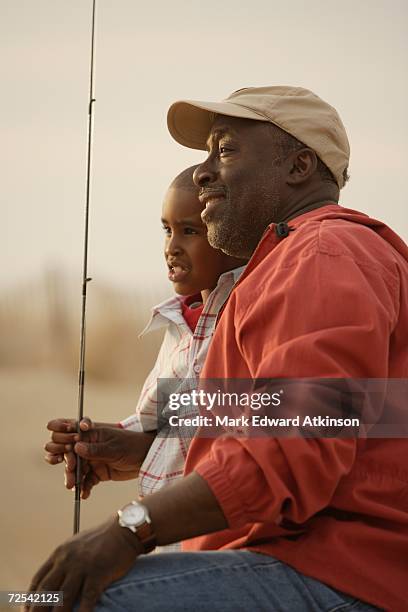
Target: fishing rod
{"type": "Point", "coordinates": [85, 278]}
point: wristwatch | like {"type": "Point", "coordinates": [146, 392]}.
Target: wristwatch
{"type": "Point", "coordinates": [135, 517]}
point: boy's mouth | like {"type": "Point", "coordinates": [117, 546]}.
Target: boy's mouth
{"type": "Point", "coordinates": [177, 273]}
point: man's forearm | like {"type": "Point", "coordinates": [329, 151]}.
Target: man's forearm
{"type": "Point", "coordinates": [184, 510]}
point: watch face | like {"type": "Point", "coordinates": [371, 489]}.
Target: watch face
{"type": "Point", "coordinates": [133, 514]}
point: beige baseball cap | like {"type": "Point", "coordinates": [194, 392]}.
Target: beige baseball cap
{"type": "Point", "coordinates": [298, 111]}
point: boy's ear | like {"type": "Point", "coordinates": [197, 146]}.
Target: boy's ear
{"type": "Point", "coordinates": [302, 165]}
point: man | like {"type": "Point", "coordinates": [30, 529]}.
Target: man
{"type": "Point", "coordinates": [305, 523]}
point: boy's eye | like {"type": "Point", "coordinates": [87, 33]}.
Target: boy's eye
{"type": "Point", "coordinates": [190, 230]}
{"type": "Point", "coordinates": [223, 149]}
{"type": "Point", "coordinates": [166, 230]}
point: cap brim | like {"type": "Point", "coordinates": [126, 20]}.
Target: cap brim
{"type": "Point", "coordinates": [189, 122]}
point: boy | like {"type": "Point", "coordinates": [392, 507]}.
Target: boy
{"type": "Point", "coordinates": [202, 278]}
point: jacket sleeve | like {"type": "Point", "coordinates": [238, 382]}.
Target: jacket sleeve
{"type": "Point", "coordinates": [326, 317]}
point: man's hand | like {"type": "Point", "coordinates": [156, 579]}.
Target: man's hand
{"type": "Point", "coordinates": [93, 559]}
{"type": "Point", "coordinates": [86, 564]}
{"type": "Point", "coordinates": [108, 453]}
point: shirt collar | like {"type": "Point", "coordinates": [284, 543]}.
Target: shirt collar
{"type": "Point", "coordinates": [165, 312]}
{"type": "Point", "coordinates": [231, 275]}
{"type": "Point", "coordinates": [170, 309]}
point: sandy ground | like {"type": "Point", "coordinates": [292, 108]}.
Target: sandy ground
{"type": "Point", "coordinates": [36, 509]}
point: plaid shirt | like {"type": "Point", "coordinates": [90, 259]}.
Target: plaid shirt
{"type": "Point", "coordinates": [181, 357]}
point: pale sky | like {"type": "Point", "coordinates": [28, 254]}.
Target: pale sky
{"type": "Point", "coordinates": [149, 54]}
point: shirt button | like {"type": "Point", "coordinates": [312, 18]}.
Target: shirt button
{"type": "Point", "coordinates": [197, 369]}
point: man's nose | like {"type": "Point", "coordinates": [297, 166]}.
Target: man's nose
{"type": "Point", "coordinates": [204, 173]}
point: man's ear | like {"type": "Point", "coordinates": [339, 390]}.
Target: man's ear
{"type": "Point", "coordinates": [303, 164]}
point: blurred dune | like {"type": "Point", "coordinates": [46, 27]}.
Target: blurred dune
{"type": "Point", "coordinates": [39, 332]}
{"type": "Point", "coordinates": [39, 326]}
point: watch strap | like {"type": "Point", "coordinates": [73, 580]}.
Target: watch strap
{"type": "Point", "coordinates": [146, 536]}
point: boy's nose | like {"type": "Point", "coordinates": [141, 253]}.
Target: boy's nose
{"type": "Point", "coordinates": [172, 247]}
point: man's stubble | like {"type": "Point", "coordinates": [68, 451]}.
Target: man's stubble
{"type": "Point", "coordinates": [238, 230]}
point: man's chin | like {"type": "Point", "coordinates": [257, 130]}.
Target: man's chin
{"type": "Point", "coordinates": [216, 236]}
{"type": "Point", "coordinates": [220, 238]}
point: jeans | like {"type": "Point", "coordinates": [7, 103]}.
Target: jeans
{"type": "Point", "coordinates": [229, 581]}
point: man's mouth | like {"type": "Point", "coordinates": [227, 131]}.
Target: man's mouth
{"type": "Point", "coordinates": [210, 200]}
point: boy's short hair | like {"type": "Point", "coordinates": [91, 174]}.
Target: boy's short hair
{"type": "Point", "coordinates": [184, 180]}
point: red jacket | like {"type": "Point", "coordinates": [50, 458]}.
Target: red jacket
{"type": "Point", "coordinates": [329, 300]}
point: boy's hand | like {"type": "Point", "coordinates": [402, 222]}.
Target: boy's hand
{"type": "Point", "coordinates": [62, 439]}
{"type": "Point", "coordinates": [62, 444]}
{"type": "Point", "coordinates": [111, 454]}
{"type": "Point", "coordinates": [108, 453]}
